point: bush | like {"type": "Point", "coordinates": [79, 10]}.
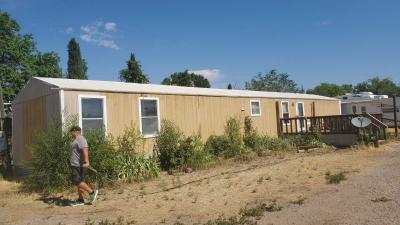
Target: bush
{"type": "Point", "coordinates": [103, 157]}
{"type": "Point", "coordinates": [199, 157]}
{"type": "Point", "coordinates": [250, 134]}
{"type": "Point", "coordinates": [176, 151]}
{"type": "Point", "coordinates": [275, 144]}
{"type": "Point", "coordinates": [313, 139]}
{"type": "Point", "coordinates": [50, 159]}
{"type": "Point", "coordinates": [217, 145]}
{"type": "Point", "coordinates": [51, 168]}
{"type": "Point", "coordinates": [234, 136]}
{"type": "Point", "coordinates": [168, 145]}
{"type": "Point", "coordinates": [130, 140]}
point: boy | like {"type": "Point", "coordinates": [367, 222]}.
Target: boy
{"type": "Point", "coordinates": [79, 160]}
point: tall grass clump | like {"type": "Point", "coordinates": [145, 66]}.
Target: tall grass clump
{"type": "Point", "coordinates": [132, 164]}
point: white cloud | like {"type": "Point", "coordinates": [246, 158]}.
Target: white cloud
{"type": "Point", "coordinates": [100, 35]}
{"type": "Point", "coordinates": [69, 30]}
{"type": "Point", "coordinates": [211, 74]}
{"type": "Point", "coordinates": [324, 23]}
{"type": "Point", "coordinates": [110, 26]}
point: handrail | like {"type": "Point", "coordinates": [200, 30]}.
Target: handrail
{"type": "Point", "coordinates": [382, 125]}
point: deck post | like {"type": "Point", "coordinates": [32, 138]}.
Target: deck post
{"type": "Point", "coordinates": [395, 116]}
{"type": "Point", "coordinates": [278, 119]}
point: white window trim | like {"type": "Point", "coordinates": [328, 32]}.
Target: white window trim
{"type": "Point", "coordinates": [259, 107]}
{"type": "Point", "coordinates": [287, 112]}
{"type": "Point", "coordinates": [140, 115]}
{"type": "Point", "coordinates": [104, 108]}
{"type": "Point", "coordinates": [297, 109]}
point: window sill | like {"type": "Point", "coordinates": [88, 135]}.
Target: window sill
{"type": "Point", "coordinates": [150, 136]}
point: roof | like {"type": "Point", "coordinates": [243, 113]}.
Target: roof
{"type": "Point", "coordinates": [122, 87]}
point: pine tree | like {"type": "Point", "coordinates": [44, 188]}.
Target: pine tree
{"type": "Point", "coordinates": [77, 67]}
{"type": "Point", "coordinates": [134, 73]}
{"type": "Point", "coordinates": [229, 86]}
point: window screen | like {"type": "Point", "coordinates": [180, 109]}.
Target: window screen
{"type": "Point", "coordinates": [149, 117]}
{"type": "Point", "coordinates": [92, 114]}
{"type": "Point", "coordinates": [255, 108]}
{"type": "Point", "coordinates": [354, 108]}
{"type": "Point", "coordinates": [363, 109]}
{"type": "Point", "coordinates": [285, 111]}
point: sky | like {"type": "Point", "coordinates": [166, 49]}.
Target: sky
{"type": "Point", "coordinates": [228, 41]}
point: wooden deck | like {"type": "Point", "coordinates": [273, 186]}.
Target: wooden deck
{"type": "Point", "coordinates": [335, 124]}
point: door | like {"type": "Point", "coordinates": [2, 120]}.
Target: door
{"type": "Point", "coordinates": [301, 122]}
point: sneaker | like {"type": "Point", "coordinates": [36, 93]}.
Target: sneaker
{"type": "Point", "coordinates": [78, 202]}
{"type": "Point", "coordinates": [93, 196]}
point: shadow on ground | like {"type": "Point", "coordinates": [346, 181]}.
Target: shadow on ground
{"type": "Point", "coordinates": [56, 201]}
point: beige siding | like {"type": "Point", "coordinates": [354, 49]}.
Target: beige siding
{"type": "Point", "coordinates": [203, 115]}
{"type": "Point", "coordinates": [30, 117]}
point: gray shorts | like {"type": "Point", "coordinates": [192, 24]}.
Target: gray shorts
{"type": "Point", "coordinates": [77, 175]}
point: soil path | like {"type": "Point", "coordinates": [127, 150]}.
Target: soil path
{"type": "Point", "coordinates": [370, 197]}
{"type": "Point", "coordinates": [225, 189]}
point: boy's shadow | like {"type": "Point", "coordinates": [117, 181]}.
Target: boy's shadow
{"type": "Point", "coordinates": [56, 201]}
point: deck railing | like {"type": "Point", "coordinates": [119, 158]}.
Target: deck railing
{"type": "Point", "coordinates": [334, 124]}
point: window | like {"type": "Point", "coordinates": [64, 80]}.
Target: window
{"type": "Point", "coordinates": [285, 111]}
{"type": "Point", "coordinates": [92, 113]}
{"type": "Point", "coordinates": [149, 116]}
{"type": "Point", "coordinates": [363, 109]}
{"type": "Point", "coordinates": [255, 109]}
{"type": "Point", "coordinates": [354, 108]}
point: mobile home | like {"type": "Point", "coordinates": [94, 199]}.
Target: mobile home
{"type": "Point", "coordinates": [115, 105]}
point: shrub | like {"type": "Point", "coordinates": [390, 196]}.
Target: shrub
{"type": "Point", "coordinates": [129, 140]}
{"type": "Point", "coordinates": [168, 144]}
{"type": "Point", "coordinates": [217, 145]}
{"type": "Point", "coordinates": [103, 157]}
{"type": "Point", "coordinates": [313, 139]}
{"type": "Point", "coordinates": [199, 157]}
{"type": "Point", "coordinates": [176, 151]}
{"type": "Point", "coordinates": [50, 164]}
{"type": "Point", "coordinates": [122, 163]}
{"type": "Point", "coordinates": [250, 134]}
{"type": "Point", "coordinates": [234, 136]}
{"type": "Point", "coordinates": [50, 159]}
{"type": "Point", "coordinates": [334, 178]}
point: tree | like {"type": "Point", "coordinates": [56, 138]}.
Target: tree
{"type": "Point", "coordinates": [378, 86]}
{"type": "Point", "coordinates": [329, 90]}
{"type": "Point", "coordinates": [47, 65]}
{"type": "Point", "coordinates": [134, 73]}
{"type": "Point", "coordinates": [186, 79]}
{"type": "Point", "coordinates": [19, 58]}
{"type": "Point", "coordinates": [77, 67]}
{"type": "Point", "coordinates": [272, 81]}
{"type": "Point", "coordinates": [229, 87]}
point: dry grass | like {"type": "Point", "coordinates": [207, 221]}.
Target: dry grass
{"type": "Point", "coordinates": [288, 178]}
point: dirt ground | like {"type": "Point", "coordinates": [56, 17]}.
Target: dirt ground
{"type": "Point", "coordinates": [370, 195]}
